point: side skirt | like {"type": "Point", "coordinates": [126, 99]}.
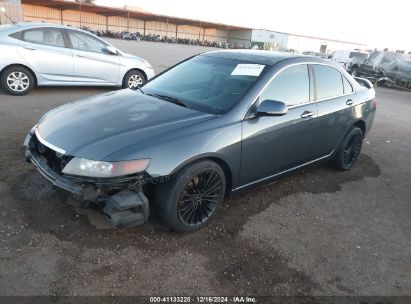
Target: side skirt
{"type": "Point", "coordinates": [271, 177]}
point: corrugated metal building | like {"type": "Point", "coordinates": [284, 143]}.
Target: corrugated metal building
{"type": "Point", "coordinates": [117, 19]}
{"type": "Point", "coordinates": [10, 10]}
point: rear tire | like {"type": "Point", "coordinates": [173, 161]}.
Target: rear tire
{"type": "Point", "coordinates": [192, 197]}
{"type": "Point", "coordinates": [349, 150]}
{"type": "Point", "coordinates": [17, 80]}
{"type": "Point", "coordinates": [133, 80]}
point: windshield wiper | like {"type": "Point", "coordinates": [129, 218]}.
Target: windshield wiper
{"type": "Point", "coordinates": [170, 99]}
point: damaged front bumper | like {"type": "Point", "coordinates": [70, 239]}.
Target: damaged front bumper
{"type": "Point", "coordinates": [121, 200]}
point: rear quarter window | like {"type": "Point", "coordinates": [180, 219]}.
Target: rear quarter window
{"type": "Point", "coordinates": [17, 35]}
{"type": "Point", "coordinates": [347, 86]}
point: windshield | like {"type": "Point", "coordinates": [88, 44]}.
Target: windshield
{"type": "Point", "coordinates": [358, 55]}
{"type": "Point", "coordinates": [206, 83]}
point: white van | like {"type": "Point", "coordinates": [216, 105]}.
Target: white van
{"type": "Point", "coordinates": [346, 57]}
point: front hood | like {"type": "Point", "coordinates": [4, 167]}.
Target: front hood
{"type": "Point", "coordinates": [99, 126]}
{"type": "Point", "coordinates": [134, 57]}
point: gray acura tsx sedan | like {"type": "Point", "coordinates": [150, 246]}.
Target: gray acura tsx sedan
{"type": "Point", "coordinates": [213, 124]}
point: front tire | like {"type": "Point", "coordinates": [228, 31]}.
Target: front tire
{"type": "Point", "coordinates": [349, 150]}
{"type": "Point", "coordinates": [355, 72]}
{"type": "Point", "coordinates": [17, 80]}
{"type": "Point", "coordinates": [133, 80]}
{"type": "Point", "coordinates": [191, 198]}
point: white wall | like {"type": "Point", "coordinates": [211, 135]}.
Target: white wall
{"type": "Point", "coordinates": [277, 40]}
{"type": "Point", "coordinates": [301, 44]}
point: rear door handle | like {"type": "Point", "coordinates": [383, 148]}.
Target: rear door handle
{"type": "Point", "coordinates": [29, 47]}
{"type": "Point", "coordinates": [307, 114]}
{"type": "Point", "coordinates": [349, 102]}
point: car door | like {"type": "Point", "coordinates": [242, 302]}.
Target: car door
{"type": "Point", "coordinates": [92, 64]}
{"type": "Point", "coordinates": [335, 98]}
{"type": "Point", "coordinates": [273, 144]}
{"type": "Point", "coordinates": [47, 53]}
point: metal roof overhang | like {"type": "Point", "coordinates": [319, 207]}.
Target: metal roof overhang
{"type": "Point", "coordinates": [142, 15]}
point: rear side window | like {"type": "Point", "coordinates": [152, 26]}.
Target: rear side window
{"type": "Point", "coordinates": [291, 86]}
{"type": "Point", "coordinates": [328, 81]}
{"type": "Point", "coordinates": [47, 36]}
{"type": "Point", "coordinates": [347, 86]}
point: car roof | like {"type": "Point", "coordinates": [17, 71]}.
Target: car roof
{"type": "Point", "coordinates": [256, 56]}
{"type": "Point", "coordinates": [20, 26]}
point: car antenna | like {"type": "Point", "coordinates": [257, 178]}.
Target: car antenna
{"type": "Point", "coordinates": [3, 10]}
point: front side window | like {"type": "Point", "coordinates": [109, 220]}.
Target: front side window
{"type": "Point", "coordinates": [328, 81]}
{"type": "Point", "coordinates": [47, 36]}
{"type": "Point", "coordinates": [206, 83]}
{"type": "Point", "coordinates": [84, 42]}
{"type": "Point", "coordinates": [291, 86]}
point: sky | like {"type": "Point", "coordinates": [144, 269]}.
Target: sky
{"type": "Point", "coordinates": [377, 23]}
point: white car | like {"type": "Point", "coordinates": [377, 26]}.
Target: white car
{"type": "Point", "coordinates": [55, 55]}
{"type": "Point", "coordinates": [346, 57]}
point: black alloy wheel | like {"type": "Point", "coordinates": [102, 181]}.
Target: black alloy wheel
{"type": "Point", "coordinates": [190, 199]}
{"type": "Point", "coordinates": [347, 154]}
{"type": "Point", "coordinates": [352, 150]}
{"type": "Point", "coordinates": [200, 198]}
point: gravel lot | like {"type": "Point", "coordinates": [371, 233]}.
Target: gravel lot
{"type": "Point", "coordinates": [316, 232]}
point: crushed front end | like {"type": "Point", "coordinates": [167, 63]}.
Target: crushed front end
{"type": "Point", "coordinates": [121, 199]}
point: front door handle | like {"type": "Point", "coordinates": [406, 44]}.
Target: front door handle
{"type": "Point", "coordinates": [29, 47]}
{"type": "Point", "coordinates": [349, 102]}
{"type": "Point", "coordinates": [81, 56]}
{"type": "Point", "coordinates": [307, 114]}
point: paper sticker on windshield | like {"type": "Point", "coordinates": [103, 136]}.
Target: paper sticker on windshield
{"type": "Point", "coordinates": [248, 69]}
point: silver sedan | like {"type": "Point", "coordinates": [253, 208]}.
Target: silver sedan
{"type": "Point", "coordinates": [54, 55]}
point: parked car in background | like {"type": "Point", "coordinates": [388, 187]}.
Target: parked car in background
{"type": "Point", "coordinates": [386, 68]}
{"type": "Point", "coordinates": [315, 54]}
{"type": "Point", "coordinates": [347, 59]}
{"type": "Point", "coordinates": [216, 123]}
{"type": "Point", "coordinates": [40, 54]}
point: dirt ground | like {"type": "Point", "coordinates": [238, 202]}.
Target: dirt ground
{"type": "Point", "coordinates": [316, 232]}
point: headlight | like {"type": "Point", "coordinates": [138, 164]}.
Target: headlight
{"type": "Point", "coordinates": [95, 168]}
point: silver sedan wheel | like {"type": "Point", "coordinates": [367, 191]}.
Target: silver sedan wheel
{"type": "Point", "coordinates": [135, 81]}
{"type": "Point", "coordinates": [18, 81]}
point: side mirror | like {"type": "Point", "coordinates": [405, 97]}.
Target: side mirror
{"type": "Point", "coordinates": [111, 50]}
{"type": "Point", "coordinates": [272, 108]}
